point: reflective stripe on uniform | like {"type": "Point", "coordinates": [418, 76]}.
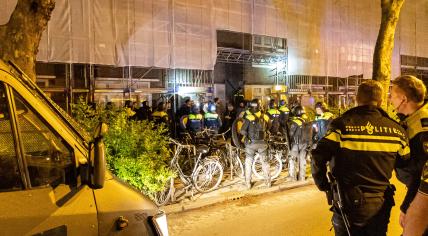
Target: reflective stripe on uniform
{"type": "Point", "coordinates": [298, 121]}
{"type": "Point", "coordinates": [404, 151]}
{"type": "Point", "coordinates": [374, 137]}
{"type": "Point", "coordinates": [195, 117]}
{"type": "Point", "coordinates": [284, 109]}
{"type": "Point", "coordinates": [327, 115]}
{"type": "Point", "coordinates": [372, 143]}
{"type": "Point", "coordinates": [273, 112]}
{"type": "Point", "coordinates": [209, 115]}
{"type": "Point", "coordinates": [252, 117]}
{"type": "Point", "coordinates": [333, 136]}
{"type": "Point", "coordinates": [159, 114]}
{"type": "Point", "coordinates": [374, 147]}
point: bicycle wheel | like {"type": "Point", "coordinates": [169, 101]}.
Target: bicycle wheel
{"type": "Point", "coordinates": [162, 197]}
{"type": "Point", "coordinates": [208, 176]}
{"type": "Point", "coordinates": [222, 157]}
{"type": "Point", "coordinates": [238, 167]}
{"type": "Point", "coordinates": [275, 166]}
{"type": "Point", "coordinates": [186, 162]}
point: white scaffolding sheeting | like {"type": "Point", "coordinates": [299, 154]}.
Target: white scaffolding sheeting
{"type": "Point", "coordinates": [325, 37]}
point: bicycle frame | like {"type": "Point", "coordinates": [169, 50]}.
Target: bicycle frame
{"type": "Point", "coordinates": [234, 154]}
{"type": "Point", "coordinates": [176, 165]}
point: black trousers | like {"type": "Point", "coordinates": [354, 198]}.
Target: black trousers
{"type": "Point", "coordinates": [375, 226]}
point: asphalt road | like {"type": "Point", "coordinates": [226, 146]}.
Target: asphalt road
{"type": "Point", "coordinates": [301, 211]}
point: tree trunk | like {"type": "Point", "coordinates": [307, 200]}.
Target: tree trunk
{"type": "Point", "coordinates": [20, 37]}
{"type": "Point", "coordinates": [385, 43]}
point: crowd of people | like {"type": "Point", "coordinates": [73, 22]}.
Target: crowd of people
{"type": "Point", "coordinates": [291, 124]}
{"type": "Point", "coordinates": [353, 156]}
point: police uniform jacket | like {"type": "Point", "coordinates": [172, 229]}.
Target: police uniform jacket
{"type": "Point", "coordinates": [195, 123]}
{"type": "Point", "coordinates": [300, 131]}
{"type": "Point", "coordinates": [255, 126]}
{"type": "Point", "coordinates": [323, 121]}
{"type": "Point", "coordinates": [409, 171]}
{"type": "Point", "coordinates": [160, 117]}
{"type": "Point", "coordinates": [274, 116]}
{"type": "Point", "coordinates": [362, 147]}
{"type": "Point", "coordinates": [212, 121]}
{"type": "Point", "coordinates": [284, 115]}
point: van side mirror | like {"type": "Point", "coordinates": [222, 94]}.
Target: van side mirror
{"type": "Point", "coordinates": [98, 162]}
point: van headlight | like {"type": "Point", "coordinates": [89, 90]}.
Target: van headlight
{"type": "Point", "coordinates": [161, 224]}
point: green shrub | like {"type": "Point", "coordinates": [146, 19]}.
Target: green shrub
{"type": "Point", "coordinates": [137, 152]}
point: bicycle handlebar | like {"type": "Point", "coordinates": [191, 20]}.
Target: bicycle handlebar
{"type": "Point", "coordinates": [180, 145]}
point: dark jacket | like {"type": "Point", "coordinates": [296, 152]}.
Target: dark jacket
{"type": "Point", "coordinates": [409, 171]}
{"type": "Point", "coordinates": [255, 127]}
{"type": "Point", "coordinates": [300, 131]}
{"type": "Point", "coordinates": [229, 117]}
{"type": "Point", "coordinates": [322, 122]}
{"type": "Point", "coordinates": [274, 116]}
{"type": "Point", "coordinates": [143, 113]}
{"type": "Point", "coordinates": [183, 111]}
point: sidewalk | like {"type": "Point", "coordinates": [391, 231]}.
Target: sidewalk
{"type": "Point", "coordinates": [230, 190]}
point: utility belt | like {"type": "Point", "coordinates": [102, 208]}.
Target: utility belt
{"type": "Point", "coordinates": [355, 199]}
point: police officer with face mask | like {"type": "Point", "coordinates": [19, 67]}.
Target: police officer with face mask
{"type": "Point", "coordinates": [407, 96]}
{"type": "Point", "coordinates": [255, 126]}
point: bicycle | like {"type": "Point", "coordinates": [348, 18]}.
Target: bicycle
{"type": "Point", "coordinates": [236, 160]}
{"type": "Point", "coordinates": [277, 149]}
{"type": "Point", "coordinates": [205, 176]}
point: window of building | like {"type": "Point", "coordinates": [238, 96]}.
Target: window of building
{"type": "Point", "coordinates": [257, 40]}
{"type": "Point", "coordinates": [267, 41]}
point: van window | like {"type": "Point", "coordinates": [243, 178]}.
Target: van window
{"type": "Point", "coordinates": [48, 157]}
{"type": "Point", "coordinates": [9, 173]}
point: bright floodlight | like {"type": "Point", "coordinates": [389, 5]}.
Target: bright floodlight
{"type": "Point", "coordinates": [280, 65]}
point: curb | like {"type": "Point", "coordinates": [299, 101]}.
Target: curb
{"type": "Point", "coordinates": [232, 195]}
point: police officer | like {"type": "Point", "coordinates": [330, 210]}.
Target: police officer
{"type": "Point", "coordinates": [416, 222]}
{"type": "Point", "coordinates": [254, 129]}
{"type": "Point", "coordinates": [274, 117]}
{"type": "Point", "coordinates": [160, 116]}
{"type": "Point", "coordinates": [323, 119]}
{"type": "Point", "coordinates": [301, 141]}
{"type": "Point", "coordinates": [283, 118]}
{"type": "Point", "coordinates": [211, 119]}
{"type": "Point", "coordinates": [361, 147]}
{"type": "Point", "coordinates": [407, 96]}
{"type": "Point", "coordinates": [195, 122]}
